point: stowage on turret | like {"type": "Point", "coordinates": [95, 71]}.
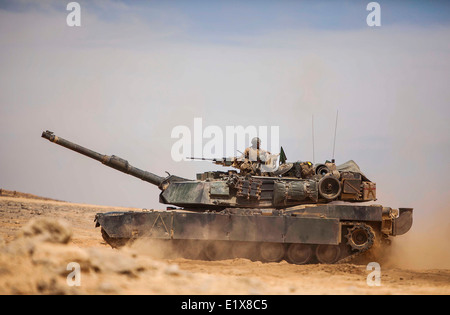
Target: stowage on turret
{"type": "Point", "coordinates": [260, 210]}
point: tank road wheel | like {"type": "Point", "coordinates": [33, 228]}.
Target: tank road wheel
{"type": "Point", "coordinates": [244, 250]}
{"type": "Point", "coordinates": [328, 254]}
{"type": "Point", "coordinates": [299, 253]}
{"type": "Point", "coordinates": [271, 252]}
{"type": "Point", "coordinates": [190, 249]}
{"type": "Point", "coordinates": [217, 250]}
{"type": "Point", "coordinates": [360, 237]}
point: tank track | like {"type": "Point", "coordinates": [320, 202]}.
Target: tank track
{"type": "Point", "coordinates": [271, 252]}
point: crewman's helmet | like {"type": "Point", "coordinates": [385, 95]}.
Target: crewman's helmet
{"type": "Point", "coordinates": [256, 142]}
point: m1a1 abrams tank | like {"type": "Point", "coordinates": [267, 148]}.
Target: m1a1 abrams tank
{"type": "Point", "coordinates": [291, 212]}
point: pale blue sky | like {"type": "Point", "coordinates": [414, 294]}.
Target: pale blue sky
{"type": "Point", "coordinates": [210, 18]}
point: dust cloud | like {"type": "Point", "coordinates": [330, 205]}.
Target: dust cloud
{"type": "Point", "coordinates": [426, 244]}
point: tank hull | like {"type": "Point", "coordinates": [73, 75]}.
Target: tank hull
{"type": "Point", "coordinates": [324, 233]}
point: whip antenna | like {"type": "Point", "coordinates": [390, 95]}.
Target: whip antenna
{"type": "Point", "coordinates": [335, 129]}
{"type": "Point", "coordinates": [314, 160]}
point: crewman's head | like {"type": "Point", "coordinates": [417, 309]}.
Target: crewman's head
{"type": "Point", "coordinates": [256, 142]}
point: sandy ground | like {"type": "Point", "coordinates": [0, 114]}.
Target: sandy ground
{"type": "Point", "coordinates": [39, 238]}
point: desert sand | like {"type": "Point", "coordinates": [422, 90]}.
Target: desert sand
{"type": "Point", "coordinates": [40, 237]}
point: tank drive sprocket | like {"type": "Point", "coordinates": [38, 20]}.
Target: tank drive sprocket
{"type": "Point", "coordinates": [360, 237]}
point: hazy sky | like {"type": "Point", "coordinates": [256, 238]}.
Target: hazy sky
{"type": "Point", "coordinates": [136, 69]}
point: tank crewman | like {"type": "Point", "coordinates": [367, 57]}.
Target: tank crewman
{"type": "Point", "coordinates": [253, 157]}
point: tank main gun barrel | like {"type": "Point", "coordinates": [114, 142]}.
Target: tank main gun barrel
{"type": "Point", "coordinates": [112, 161]}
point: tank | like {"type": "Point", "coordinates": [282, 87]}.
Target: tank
{"type": "Point", "coordinates": [299, 211]}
